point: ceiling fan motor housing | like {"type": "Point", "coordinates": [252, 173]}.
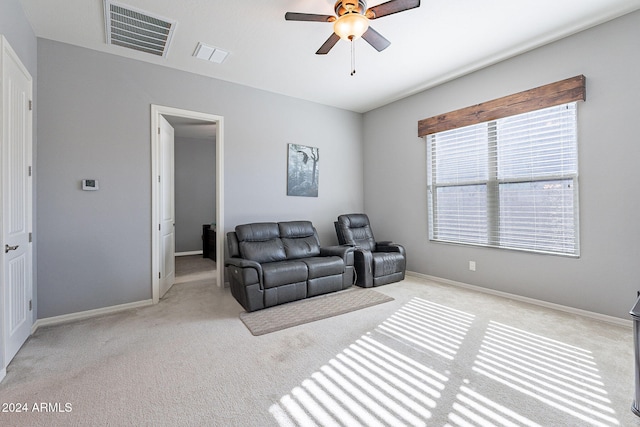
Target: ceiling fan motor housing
{"type": "Point", "coordinates": [343, 7]}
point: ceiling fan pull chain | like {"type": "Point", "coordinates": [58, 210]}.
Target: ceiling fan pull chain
{"type": "Point", "coordinates": [353, 58]}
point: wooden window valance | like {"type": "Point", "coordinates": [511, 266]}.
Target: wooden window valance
{"type": "Point", "coordinates": [562, 92]}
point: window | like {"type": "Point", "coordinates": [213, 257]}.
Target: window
{"type": "Point", "coordinates": [508, 183]}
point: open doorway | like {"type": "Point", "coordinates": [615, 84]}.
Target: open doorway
{"type": "Point", "coordinates": [195, 205]}
{"type": "Point", "coordinates": [193, 126]}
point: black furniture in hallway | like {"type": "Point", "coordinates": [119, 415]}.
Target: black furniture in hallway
{"type": "Point", "coordinates": [208, 242]}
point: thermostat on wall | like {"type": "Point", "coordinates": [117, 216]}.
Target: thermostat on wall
{"type": "Point", "coordinates": [89, 184]}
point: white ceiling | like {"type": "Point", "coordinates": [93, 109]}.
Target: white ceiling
{"type": "Point", "coordinates": [440, 40]}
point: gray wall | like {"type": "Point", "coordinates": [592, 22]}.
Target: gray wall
{"type": "Point", "coordinates": [17, 30]}
{"type": "Point", "coordinates": [93, 249]}
{"type": "Point", "coordinates": [604, 279]}
{"type": "Point", "coordinates": [94, 122]}
{"type": "Point", "coordinates": [195, 187]}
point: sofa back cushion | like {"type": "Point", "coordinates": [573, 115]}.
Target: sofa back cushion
{"type": "Point", "coordinates": [354, 229]}
{"type": "Point", "coordinates": [232, 245]}
{"type": "Point", "coordinates": [300, 239]}
{"type": "Point", "coordinates": [260, 242]}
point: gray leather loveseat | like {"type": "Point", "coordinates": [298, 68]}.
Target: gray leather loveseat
{"type": "Point", "coordinates": [273, 263]}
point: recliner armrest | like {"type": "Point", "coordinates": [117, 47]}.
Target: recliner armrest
{"type": "Point", "coordinates": [389, 247]}
{"type": "Point", "coordinates": [242, 263]}
{"type": "Point", "coordinates": [246, 264]}
{"type": "Point", "coordinates": [363, 259]}
{"type": "Point", "coordinates": [343, 251]}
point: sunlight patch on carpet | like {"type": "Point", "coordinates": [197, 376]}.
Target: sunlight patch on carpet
{"type": "Point", "coordinates": [559, 375]}
{"type": "Point", "coordinates": [429, 364]}
{"type": "Point", "coordinates": [368, 384]}
{"type": "Point", "coordinates": [430, 326]}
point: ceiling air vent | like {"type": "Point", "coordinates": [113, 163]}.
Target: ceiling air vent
{"type": "Point", "coordinates": [137, 29]}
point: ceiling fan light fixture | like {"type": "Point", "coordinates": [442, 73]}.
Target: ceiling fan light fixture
{"type": "Point", "coordinates": [351, 26]}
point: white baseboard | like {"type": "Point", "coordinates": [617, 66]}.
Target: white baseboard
{"type": "Point", "coordinates": [188, 253]}
{"type": "Point", "coordinates": [597, 316]}
{"type": "Point", "coordinates": [56, 320]}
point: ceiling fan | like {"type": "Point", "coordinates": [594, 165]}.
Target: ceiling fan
{"type": "Point", "coordinates": [352, 21]}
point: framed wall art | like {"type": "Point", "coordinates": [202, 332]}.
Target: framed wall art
{"type": "Point", "coordinates": [302, 170]}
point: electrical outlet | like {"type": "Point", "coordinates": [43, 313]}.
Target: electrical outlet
{"type": "Point", "coordinates": [472, 265]}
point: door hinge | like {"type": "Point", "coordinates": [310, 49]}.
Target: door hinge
{"type": "Point", "coordinates": [159, 275]}
{"type": "Point", "coordinates": [30, 105]}
{"type": "Point", "coordinates": [30, 171]}
{"type": "Point", "coordinates": [158, 130]}
{"type": "Point", "coordinates": [30, 237]}
{"type": "Point", "coordinates": [158, 178]}
{"type": "Point", "coordinates": [30, 305]}
{"type": "Point", "coordinates": [159, 227]}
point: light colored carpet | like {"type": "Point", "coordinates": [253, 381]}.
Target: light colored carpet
{"type": "Point", "coordinates": [194, 267]}
{"type": "Point", "coordinates": [436, 355]}
{"type": "Point", "coordinates": [311, 309]}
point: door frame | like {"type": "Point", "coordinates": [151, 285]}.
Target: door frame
{"type": "Point", "coordinates": [156, 112]}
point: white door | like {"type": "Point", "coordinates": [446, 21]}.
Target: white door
{"type": "Point", "coordinates": [16, 202]}
{"type": "Point", "coordinates": [167, 210]}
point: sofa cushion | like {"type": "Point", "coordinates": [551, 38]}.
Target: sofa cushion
{"type": "Point", "coordinates": [260, 242]}
{"type": "Point", "coordinates": [283, 273]}
{"type": "Point", "coordinates": [300, 239]}
{"type": "Point", "coordinates": [285, 293]}
{"type": "Point", "coordinates": [323, 285]}
{"type": "Point", "coordinates": [385, 263]}
{"type": "Point", "coordinates": [257, 232]}
{"type": "Point", "coordinates": [296, 229]}
{"type": "Point", "coordinates": [324, 266]}
{"type": "Point", "coordinates": [301, 247]}
{"type": "Point", "coordinates": [268, 251]}
{"type": "Point", "coordinates": [355, 230]}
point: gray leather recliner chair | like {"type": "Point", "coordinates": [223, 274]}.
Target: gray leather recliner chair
{"type": "Point", "coordinates": [376, 263]}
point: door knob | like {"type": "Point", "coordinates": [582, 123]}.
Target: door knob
{"type": "Point", "coordinates": [8, 248]}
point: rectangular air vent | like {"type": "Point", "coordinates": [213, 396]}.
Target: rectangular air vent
{"type": "Point", "coordinates": [136, 29]}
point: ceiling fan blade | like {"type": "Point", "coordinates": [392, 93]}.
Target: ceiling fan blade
{"type": "Point", "coordinates": [326, 47]}
{"type": "Point", "coordinates": [376, 39]}
{"type": "Point", "coordinates": [391, 7]}
{"type": "Point", "coordinates": [294, 16]}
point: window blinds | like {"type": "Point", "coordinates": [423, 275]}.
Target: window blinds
{"type": "Point", "coordinates": [509, 183]}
